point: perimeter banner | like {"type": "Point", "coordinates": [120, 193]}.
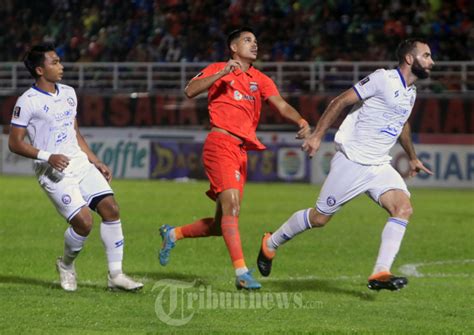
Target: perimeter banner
{"type": "Point", "coordinates": [280, 162]}
{"type": "Point", "coordinates": [431, 114]}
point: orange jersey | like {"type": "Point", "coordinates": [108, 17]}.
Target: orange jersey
{"type": "Point", "coordinates": [235, 101]}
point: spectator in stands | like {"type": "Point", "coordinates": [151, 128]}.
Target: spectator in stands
{"type": "Point", "coordinates": [292, 30]}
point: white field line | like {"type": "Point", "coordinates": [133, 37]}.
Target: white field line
{"type": "Point", "coordinates": [413, 270]}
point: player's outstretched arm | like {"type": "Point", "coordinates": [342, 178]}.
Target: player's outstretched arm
{"type": "Point", "coordinates": [17, 145]}
{"type": "Point", "coordinates": [198, 85]}
{"type": "Point", "coordinates": [332, 112]}
{"type": "Point", "coordinates": [104, 169]}
{"type": "Point", "coordinates": [415, 164]}
{"type": "Point", "coordinates": [289, 113]}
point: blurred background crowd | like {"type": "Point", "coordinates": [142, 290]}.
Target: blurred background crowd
{"type": "Point", "coordinates": [185, 30]}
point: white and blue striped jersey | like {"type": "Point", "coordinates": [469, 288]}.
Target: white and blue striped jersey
{"type": "Point", "coordinates": [49, 120]}
{"type": "Point", "coordinates": [374, 124]}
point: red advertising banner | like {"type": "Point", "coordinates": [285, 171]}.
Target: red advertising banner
{"type": "Point", "coordinates": [431, 114]}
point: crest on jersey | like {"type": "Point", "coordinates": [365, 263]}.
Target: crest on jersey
{"type": "Point", "coordinates": [66, 199]}
{"type": "Point", "coordinates": [253, 86]}
{"type": "Point", "coordinates": [71, 102]}
{"type": "Point", "coordinates": [331, 201]}
{"type": "Point", "coordinates": [237, 175]}
{"type": "Point", "coordinates": [16, 112]}
{"type": "Point", "coordinates": [364, 81]}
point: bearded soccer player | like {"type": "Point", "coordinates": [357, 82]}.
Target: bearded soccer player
{"type": "Point", "coordinates": [71, 175]}
{"type": "Point", "coordinates": [235, 93]}
{"type": "Point", "coordinates": [382, 105]}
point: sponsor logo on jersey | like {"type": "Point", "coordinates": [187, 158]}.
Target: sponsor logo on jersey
{"type": "Point", "coordinates": [237, 175]}
{"type": "Point", "coordinates": [237, 95]}
{"type": "Point", "coordinates": [60, 137]}
{"type": "Point", "coordinates": [364, 81]}
{"type": "Point", "coordinates": [63, 115]}
{"type": "Point", "coordinates": [71, 102]}
{"type": "Point", "coordinates": [390, 130]}
{"type": "Point", "coordinates": [331, 201]}
{"type": "Point", "coordinates": [253, 86]}
{"type": "Point", "coordinates": [66, 199]}
{"type": "Point", "coordinates": [16, 112]}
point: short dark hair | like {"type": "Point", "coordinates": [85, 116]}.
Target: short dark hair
{"type": "Point", "coordinates": [35, 57]}
{"type": "Point", "coordinates": [407, 46]}
{"type": "Point", "coordinates": [236, 34]}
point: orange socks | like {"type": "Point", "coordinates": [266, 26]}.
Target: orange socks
{"type": "Point", "coordinates": [230, 232]}
{"type": "Point", "coordinates": [229, 229]}
{"type": "Point", "coordinates": [200, 228]}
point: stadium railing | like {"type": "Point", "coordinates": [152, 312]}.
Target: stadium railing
{"type": "Point", "coordinates": [291, 77]}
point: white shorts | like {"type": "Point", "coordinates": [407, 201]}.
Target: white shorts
{"type": "Point", "coordinates": [76, 190]}
{"type": "Point", "coordinates": [347, 179]}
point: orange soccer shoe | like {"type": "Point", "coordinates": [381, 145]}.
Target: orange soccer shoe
{"type": "Point", "coordinates": [265, 257]}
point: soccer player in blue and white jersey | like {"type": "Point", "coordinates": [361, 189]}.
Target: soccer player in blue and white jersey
{"type": "Point", "coordinates": [382, 104]}
{"type": "Point", "coordinates": [73, 178]}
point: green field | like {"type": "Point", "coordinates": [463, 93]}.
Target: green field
{"type": "Point", "coordinates": [322, 272]}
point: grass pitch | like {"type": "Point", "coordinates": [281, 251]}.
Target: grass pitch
{"type": "Point", "coordinates": [317, 283]}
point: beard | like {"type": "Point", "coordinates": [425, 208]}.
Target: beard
{"type": "Point", "coordinates": [419, 71]}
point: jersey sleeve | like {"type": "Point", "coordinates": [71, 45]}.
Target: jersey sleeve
{"type": "Point", "coordinates": [21, 112]}
{"type": "Point", "coordinates": [370, 85]}
{"type": "Point", "coordinates": [268, 88]}
{"type": "Point", "coordinates": [208, 71]}
{"type": "Point", "coordinates": [75, 102]}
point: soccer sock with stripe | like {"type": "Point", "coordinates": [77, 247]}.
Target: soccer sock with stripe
{"type": "Point", "coordinates": [392, 236]}
{"type": "Point", "coordinates": [230, 232]}
{"type": "Point", "coordinates": [296, 224]}
{"type": "Point", "coordinates": [73, 243]}
{"type": "Point", "coordinates": [199, 228]}
{"type": "Point", "coordinates": [113, 240]}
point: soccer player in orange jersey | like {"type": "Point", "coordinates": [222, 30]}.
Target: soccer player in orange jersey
{"type": "Point", "coordinates": [235, 93]}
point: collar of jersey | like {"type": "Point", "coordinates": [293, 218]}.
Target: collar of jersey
{"type": "Point", "coordinates": [44, 92]}
{"type": "Point", "coordinates": [248, 72]}
{"type": "Point", "coordinates": [401, 78]}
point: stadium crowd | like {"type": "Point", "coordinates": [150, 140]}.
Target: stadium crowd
{"type": "Point", "coordinates": [184, 30]}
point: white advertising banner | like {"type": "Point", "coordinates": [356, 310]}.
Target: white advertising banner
{"type": "Point", "coordinates": [12, 163]}
{"type": "Point", "coordinates": [452, 165]}
{"type": "Point", "coordinates": [127, 158]}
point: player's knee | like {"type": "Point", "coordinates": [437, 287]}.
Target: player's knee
{"type": "Point", "coordinates": [232, 208]}
{"type": "Point", "coordinates": [317, 219]}
{"type": "Point", "coordinates": [114, 210]}
{"type": "Point", "coordinates": [82, 223]}
{"type": "Point", "coordinates": [109, 209]}
{"type": "Point", "coordinates": [403, 211]}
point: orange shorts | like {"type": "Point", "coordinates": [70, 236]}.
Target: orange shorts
{"type": "Point", "coordinates": [225, 162]}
